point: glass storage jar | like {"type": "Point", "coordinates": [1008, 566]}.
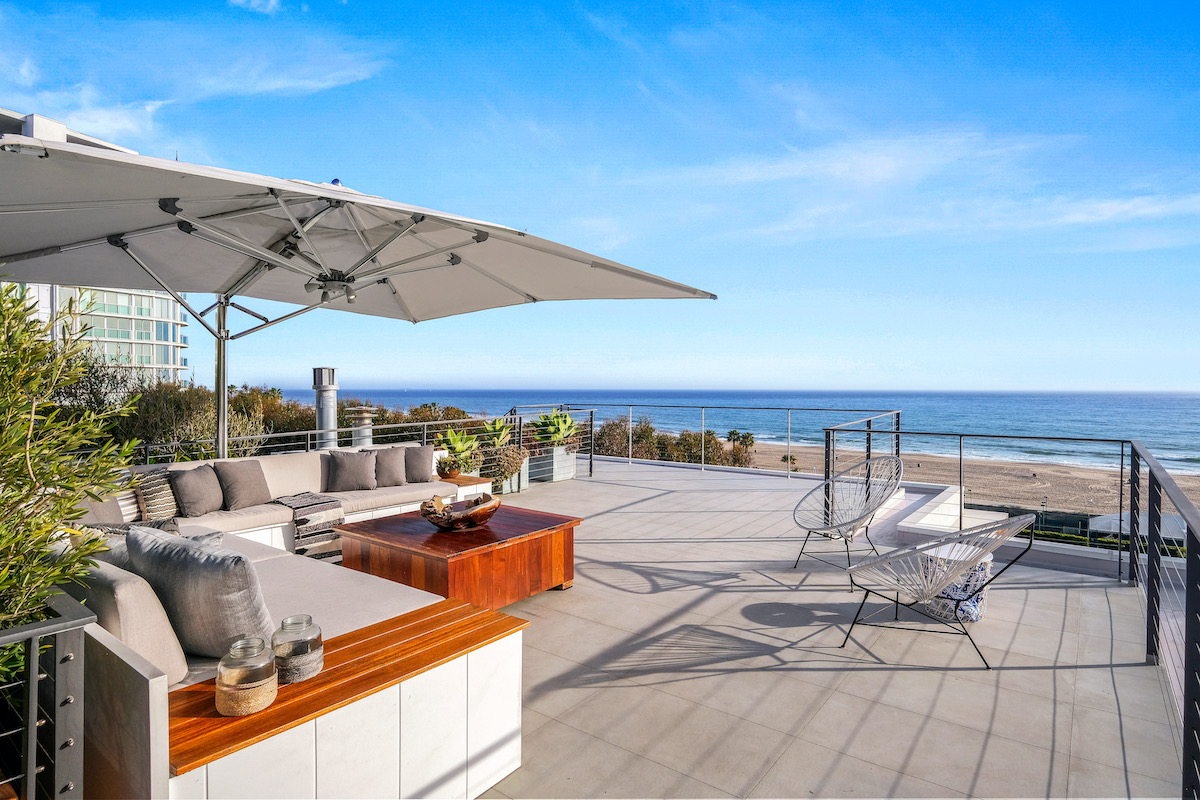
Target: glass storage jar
{"type": "Point", "coordinates": [299, 651]}
{"type": "Point", "coordinates": [246, 678]}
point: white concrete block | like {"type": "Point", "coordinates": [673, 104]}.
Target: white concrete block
{"type": "Point", "coordinates": [283, 766]}
{"type": "Point", "coordinates": [433, 732]}
{"type": "Point", "coordinates": [189, 786]}
{"type": "Point", "coordinates": [493, 713]}
{"type": "Point", "coordinates": [358, 748]}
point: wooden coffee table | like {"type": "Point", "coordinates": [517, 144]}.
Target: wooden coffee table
{"type": "Point", "coordinates": [518, 553]}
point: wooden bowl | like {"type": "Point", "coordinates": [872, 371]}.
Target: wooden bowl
{"type": "Point", "coordinates": [459, 516]}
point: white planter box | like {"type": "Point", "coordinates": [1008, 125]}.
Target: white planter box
{"type": "Point", "coordinates": [516, 482]}
{"type": "Point", "coordinates": [558, 465]}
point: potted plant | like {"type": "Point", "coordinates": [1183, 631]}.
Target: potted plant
{"type": "Point", "coordinates": [555, 442]}
{"type": "Point", "coordinates": [43, 478]}
{"type": "Point", "coordinates": [505, 463]}
{"type": "Point", "coordinates": [463, 448]}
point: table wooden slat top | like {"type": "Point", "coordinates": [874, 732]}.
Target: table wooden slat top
{"type": "Point", "coordinates": [357, 664]}
{"type": "Point", "coordinates": [413, 532]}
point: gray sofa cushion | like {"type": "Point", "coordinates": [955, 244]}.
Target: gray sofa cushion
{"type": "Point", "coordinates": [211, 595]}
{"type": "Point", "coordinates": [385, 496]}
{"type": "Point", "coordinates": [101, 511]}
{"type": "Point", "coordinates": [244, 519]}
{"type": "Point", "coordinates": [351, 471]}
{"type": "Point", "coordinates": [156, 499]}
{"type": "Point", "coordinates": [255, 551]}
{"type": "Point", "coordinates": [389, 466]}
{"type": "Point", "coordinates": [242, 484]}
{"type": "Point", "coordinates": [117, 554]}
{"type": "Point", "coordinates": [128, 608]}
{"type": "Point", "coordinates": [418, 464]}
{"type": "Point", "coordinates": [197, 491]}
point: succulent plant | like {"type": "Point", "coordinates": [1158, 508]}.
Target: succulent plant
{"type": "Point", "coordinates": [496, 433]}
{"type": "Point", "coordinates": [457, 443]}
{"type": "Point", "coordinates": [554, 429]}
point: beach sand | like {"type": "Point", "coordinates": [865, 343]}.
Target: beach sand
{"type": "Point", "coordinates": [1083, 490]}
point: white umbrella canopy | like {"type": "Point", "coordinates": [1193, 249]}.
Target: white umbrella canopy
{"type": "Point", "coordinates": [81, 215]}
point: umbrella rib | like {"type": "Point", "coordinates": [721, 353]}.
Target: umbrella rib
{"type": "Point", "coordinates": [485, 273]}
{"type": "Point", "coordinates": [120, 243]}
{"type": "Point", "coordinates": [284, 318]}
{"type": "Point", "coordinates": [400, 301]}
{"type": "Point", "coordinates": [86, 205]}
{"type": "Point", "coordinates": [372, 252]}
{"type": "Point", "coordinates": [302, 230]}
{"type": "Point", "coordinates": [384, 271]}
{"type": "Point", "coordinates": [239, 245]}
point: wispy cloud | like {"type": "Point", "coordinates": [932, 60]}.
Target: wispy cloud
{"type": "Point", "coordinates": [261, 6]}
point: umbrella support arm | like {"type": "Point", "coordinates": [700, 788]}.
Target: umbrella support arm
{"type": "Point", "coordinates": [221, 380]}
{"type": "Point", "coordinates": [117, 241]}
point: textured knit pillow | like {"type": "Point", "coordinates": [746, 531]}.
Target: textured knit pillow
{"type": "Point", "coordinates": [242, 483]}
{"type": "Point", "coordinates": [211, 594]}
{"type": "Point", "coordinates": [154, 496]}
{"type": "Point", "coordinates": [389, 466]}
{"type": "Point", "coordinates": [418, 464]}
{"type": "Point", "coordinates": [349, 472]}
{"type": "Point", "coordinates": [197, 491]}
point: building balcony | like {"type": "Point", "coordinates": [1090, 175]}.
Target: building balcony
{"type": "Point", "coordinates": [691, 659]}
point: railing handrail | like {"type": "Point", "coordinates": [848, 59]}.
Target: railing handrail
{"type": "Point", "coordinates": [1183, 505]}
{"type": "Point", "coordinates": [875, 411]}
{"type": "Point", "coordinates": [951, 434]}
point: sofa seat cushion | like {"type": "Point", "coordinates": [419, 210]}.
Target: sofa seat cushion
{"type": "Point", "coordinates": [127, 607]}
{"type": "Point", "coordinates": [257, 552]}
{"type": "Point", "coordinates": [371, 499]}
{"type": "Point", "coordinates": [244, 519]}
{"type": "Point", "coordinates": [338, 599]}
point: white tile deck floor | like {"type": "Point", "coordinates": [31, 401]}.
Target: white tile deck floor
{"type": "Point", "coordinates": [691, 660]}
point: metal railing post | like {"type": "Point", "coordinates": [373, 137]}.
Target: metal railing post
{"type": "Point", "coordinates": [1135, 515]}
{"type": "Point", "coordinates": [1120, 513]}
{"type": "Point", "coordinates": [1191, 669]}
{"type": "Point", "coordinates": [868, 440]}
{"type": "Point", "coordinates": [961, 488]}
{"type": "Point", "coordinates": [702, 437]}
{"type": "Point", "coordinates": [896, 438]}
{"type": "Point", "coordinates": [788, 465]}
{"type": "Point", "coordinates": [591, 443]}
{"type": "Point", "coordinates": [631, 434]}
{"type": "Point", "coordinates": [1153, 569]}
{"type": "Point", "coordinates": [424, 433]}
{"type": "Point", "coordinates": [520, 443]}
{"type": "Point", "coordinates": [830, 453]}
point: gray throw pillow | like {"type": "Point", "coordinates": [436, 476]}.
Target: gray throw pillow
{"type": "Point", "coordinates": [197, 491]}
{"type": "Point", "coordinates": [350, 472]}
{"type": "Point", "coordinates": [154, 495]}
{"type": "Point", "coordinates": [242, 483]}
{"type": "Point", "coordinates": [389, 466]}
{"type": "Point", "coordinates": [210, 594]}
{"type": "Point", "coordinates": [418, 464]}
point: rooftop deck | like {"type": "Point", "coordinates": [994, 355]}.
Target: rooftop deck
{"type": "Point", "coordinates": [690, 659]}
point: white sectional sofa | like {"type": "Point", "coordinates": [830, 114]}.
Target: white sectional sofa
{"type": "Point", "coordinates": [404, 740]}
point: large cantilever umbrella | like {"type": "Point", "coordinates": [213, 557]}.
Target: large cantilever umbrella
{"type": "Point", "coordinates": [81, 215]}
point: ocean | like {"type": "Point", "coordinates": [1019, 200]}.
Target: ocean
{"type": "Point", "coordinates": [1168, 423]}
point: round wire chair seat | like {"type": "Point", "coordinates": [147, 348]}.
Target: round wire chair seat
{"type": "Point", "coordinates": [846, 503]}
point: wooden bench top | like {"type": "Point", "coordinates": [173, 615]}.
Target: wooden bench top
{"type": "Point", "coordinates": [466, 480]}
{"type": "Point", "coordinates": [357, 664]}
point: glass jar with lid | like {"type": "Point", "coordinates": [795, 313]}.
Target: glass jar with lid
{"type": "Point", "coordinates": [299, 650]}
{"type": "Point", "coordinates": [246, 678]}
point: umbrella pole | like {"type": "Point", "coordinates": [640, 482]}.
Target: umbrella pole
{"type": "Point", "coordinates": [220, 383]}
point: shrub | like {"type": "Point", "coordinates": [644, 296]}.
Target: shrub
{"type": "Point", "coordinates": [42, 476]}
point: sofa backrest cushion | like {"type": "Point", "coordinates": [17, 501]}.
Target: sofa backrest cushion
{"type": "Point", "coordinates": [211, 594]}
{"type": "Point", "coordinates": [292, 473]}
{"type": "Point", "coordinates": [156, 499]}
{"type": "Point", "coordinates": [418, 464]}
{"type": "Point", "coordinates": [127, 607]}
{"type": "Point", "coordinates": [197, 491]}
{"type": "Point", "coordinates": [389, 466]}
{"type": "Point", "coordinates": [351, 471]}
{"type": "Point", "coordinates": [242, 483]}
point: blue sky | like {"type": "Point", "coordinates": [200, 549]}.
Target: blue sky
{"type": "Point", "coordinates": [884, 196]}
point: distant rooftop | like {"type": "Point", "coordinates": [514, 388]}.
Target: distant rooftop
{"type": "Point", "coordinates": [38, 127]}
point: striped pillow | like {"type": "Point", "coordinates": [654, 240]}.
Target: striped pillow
{"type": "Point", "coordinates": [155, 496]}
{"type": "Point", "coordinates": [129, 504]}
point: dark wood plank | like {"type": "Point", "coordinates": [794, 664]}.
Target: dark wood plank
{"type": "Point", "coordinates": [357, 665]}
{"type": "Point", "coordinates": [413, 532]}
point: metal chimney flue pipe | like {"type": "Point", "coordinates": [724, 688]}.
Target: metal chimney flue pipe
{"type": "Point", "coordinates": [325, 385]}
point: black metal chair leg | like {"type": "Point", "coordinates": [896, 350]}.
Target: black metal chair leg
{"type": "Point", "coordinates": [802, 550]}
{"type": "Point", "coordinates": [857, 614]}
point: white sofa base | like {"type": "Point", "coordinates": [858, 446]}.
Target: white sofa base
{"type": "Point", "coordinates": [405, 741]}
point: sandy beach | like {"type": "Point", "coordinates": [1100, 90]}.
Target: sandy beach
{"type": "Point", "coordinates": [1018, 483]}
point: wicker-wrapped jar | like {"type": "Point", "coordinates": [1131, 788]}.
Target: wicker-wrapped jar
{"type": "Point", "coordinates": [246, 678]}
{"type": "Point", "coordinates": [299, 650]}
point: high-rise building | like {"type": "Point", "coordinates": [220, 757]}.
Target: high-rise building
{"type": "Point", "coordinates": [140, 329]}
